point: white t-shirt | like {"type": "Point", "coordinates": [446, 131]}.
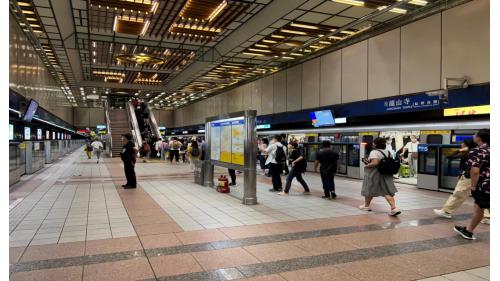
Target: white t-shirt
{"type": "Point", "coordinates": [412, 147]}
{"type": "Point", "coordinates": [376, 154]}
{"type": "Point", "coordinates": [97, 145]}
{"type": "Point", "coordinates": [271, 152]}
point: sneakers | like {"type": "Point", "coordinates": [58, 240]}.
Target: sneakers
{"type": "Point", "coordinates": [274, 190]}
{"type": "Point", "coordinates": [395, 212]}
{"type": "Point", "coordinates": [442, 213]}
{"type": "Point", "coordinates": [365, 208]}
{"type": "Point", "coordinates": [282, 193]}
{"type": "Point", "coordinates": [232, 184]}
{"type": "Point", "coordinates": [462, 231]}
{"type": "Point", "coordinates": [334, 195]}
{"type": "Point", "coordinates": [306, 193]}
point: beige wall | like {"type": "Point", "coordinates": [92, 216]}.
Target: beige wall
{"type": "Point", "coordinates": [406, 60]}
{"type": "Point", "coordinates": [88, 117]}
{"type": "Point", "coordinates": [29, 77]}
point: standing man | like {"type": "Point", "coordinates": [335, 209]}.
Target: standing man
{"type": "Point", "coordinates": [97, 147]}
{"type": "Point", "coordinates": [479, 163]}
{"type": "Point", "coordinates": [412, 148]}
{"type": "Point", "coordinates": [276, 158]}
{"type": "Point", "coordinates": [328, 160]}
{"type": "Point", "coordinates": [128, 155]}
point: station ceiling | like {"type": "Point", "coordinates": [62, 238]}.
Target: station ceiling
{"type": "Point", "coordinates": [176, 52]}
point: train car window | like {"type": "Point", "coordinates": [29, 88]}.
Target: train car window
{"type": "Point", "coordinates": [367, 138]}
{"type": "Point", "coordinates": [434, 139]}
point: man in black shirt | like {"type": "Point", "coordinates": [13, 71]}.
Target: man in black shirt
{"type": "Point", "coordinates": [329, 161]}
{"type": "Point", "coordinates": [128, 155]}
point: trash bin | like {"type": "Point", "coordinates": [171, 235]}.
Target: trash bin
{"type": "Point", "coordinates": [198, 172]}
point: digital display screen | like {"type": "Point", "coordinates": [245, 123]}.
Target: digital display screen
{"type": "Point", "coordinates": [30, 111]}
{"type": "Point", "coordinates": [53, 135]}
{"type": "Point", "coordinates": [322, 118]}
{"type": "Point", "coordinates": [27, 133]}
{"type": "Point", "coordinates": [460, 138]}
{"type": "Point", "coordinates": [11, 131]}
{"type": "Point", "coordinates": [58, 136]}
{"type": "Point", "coordinates": [39, 134]}
{"type": "Point", "coordinates": [47, 135]}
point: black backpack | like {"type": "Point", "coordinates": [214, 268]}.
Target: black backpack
{"type": "Point", "coordinates": [280, 155]}
{"type": "Point", "coordinates": [388, 165]}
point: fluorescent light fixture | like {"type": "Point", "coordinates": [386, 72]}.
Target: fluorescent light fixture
{"type": "Point", "coordinates": [348, 32]}
{"type": "Point", "coordinates": [277, 36]}
{"type": "Point", "coordinates": [293, 31]}
{"type": "Point", "coordinates": [351, 2]}
{"type": "Point", "coordinates": [261, 46]}
{"type": "Point", "coordinates": [145, 28]}
{"type": "Point", "coordinates": [269, 41]}
{"type": "Point", "coordinates": [306, 26]}
{"type": "Point", "coordinates": [288, 58]}
{"type": "Point", "coordinates": [24, 4]}
{"type": "Point", "coordinates": [259, 50]}
{"type": "Point", "coordinates": [394, 10]}
{"type": "Point", "coordinates": [28, 12]}
{"type": "Point", "coordinates": [217, 11]}
{"type": "Point", "coordinates": [417, 2]}
{"type": "Point", "coordinates": [296, 54]}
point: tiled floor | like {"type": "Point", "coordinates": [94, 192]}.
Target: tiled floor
{"type": "Point", "coordinates": [79, 205]}
{"type": "Point", "coordinates": [79, 224]}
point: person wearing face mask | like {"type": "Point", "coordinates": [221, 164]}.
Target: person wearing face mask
{"type": "Point", "coordinates": [412, 148]}
{"type": "Point", "coordinates": [128, 155]}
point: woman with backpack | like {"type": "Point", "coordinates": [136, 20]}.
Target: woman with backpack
{"type": "Point", "coordinates": [377, 181]}
{"type": "Point", "coordinates": [193, 152]}
{"type": "Point", "coordinates": [299, 164]}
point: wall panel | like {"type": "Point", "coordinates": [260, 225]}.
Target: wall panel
{"type": "Point", "coordinates": [383, 65]}
{"type": "Point", "coordinates": [279, 91]}
{"type": "Point", "coordinates": [267, 95]}
{"type": "Point", "coordinates": [354, 72]}
{"type": "Point", "coordinates": [331, 79]}
{"type": "Point", "coordinates": [294, 88]}
{"type": "Point", "coordinates": [421, 55]}
{"type": "Point", "coordinates": [310, 83]}
{"type": "Point", "coordinates": [256, 96]}
{"type": "Point", "coordinates": [466, 44]}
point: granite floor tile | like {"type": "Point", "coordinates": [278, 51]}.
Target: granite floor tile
{"type": "Point", "coordinates": [224, 258]}
{"type": "Point", "coordinates": [55, 251]}
{"type": "Point", "coordinates": [273, 277]}
{"type": "Point", "coordinates": [127, 270]}
{"type": "Point", "coordinates": [112, 245]}
{"type": "Point", "coordinates": [160, 240]}
{"type": "Point", "coordinates": [322, 245]}
{"type": "Point", "coordinates": [174, 265]}
{"type": "Point", "coordinates": [71, 273]}
{"type": "Point", "coordinates": [483, 272]}
{"type": "Point", "coordinates": [324, 273]}
{"type": "Point", "coordinates": [378, 270]}
{"type": "Point", "coordinates": [201, 236]}
{"type": "Point", "coordinates": [15, 254]}
{"type": "Point", "coordinates": [149, 229]}
{"type": "Point", "coordinates": [276, 251]}
{"type": "Point", "coordinates": [463, 276]}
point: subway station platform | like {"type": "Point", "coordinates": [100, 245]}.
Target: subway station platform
{"type": "Point", "coordinates": [73, 221]}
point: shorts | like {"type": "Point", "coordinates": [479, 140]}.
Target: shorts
{"type": "Point", "coordinates": [481, 199]}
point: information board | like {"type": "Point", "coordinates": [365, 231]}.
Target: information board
{"type": "Point", "coordinates": [227, 140]}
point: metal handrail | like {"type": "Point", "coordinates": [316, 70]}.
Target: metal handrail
{"type": "Point", "coordinates": [154, 125]}
{"type": "Point", "coordinates": [136, 132]}
{"type": "Point", "coordinates": [110, 138]}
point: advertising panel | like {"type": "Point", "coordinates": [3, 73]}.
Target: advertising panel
{"type": "Point", "coordinates": [227, 140]}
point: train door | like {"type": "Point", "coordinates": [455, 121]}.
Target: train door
{"type": "Point", "coordinates": [427, 176]}
{"type": "Point", "coordinates": [341, 149]}
{"type": "Point", "coordinates": [449, 169]}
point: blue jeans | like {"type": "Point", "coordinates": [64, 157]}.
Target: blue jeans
{"type": "Point", "coordinates": [289, 179]}
{"type": "Point", "coordinates": [328, 183]}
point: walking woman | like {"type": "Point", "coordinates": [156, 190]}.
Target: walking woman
{"type": "Point", "coordinates": [263, 155]}
{"type": "Point", "coordinates": [299, 165]}
{"type": "Point", "coordinates": [376, 184]}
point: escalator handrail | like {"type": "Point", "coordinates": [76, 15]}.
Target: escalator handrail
{"type": "Point", "coordinates": [135, 126]}
{"type": "Point", "coordinates": [152, 121]}
{"type": "Point", "coordinates": [110, 138]}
